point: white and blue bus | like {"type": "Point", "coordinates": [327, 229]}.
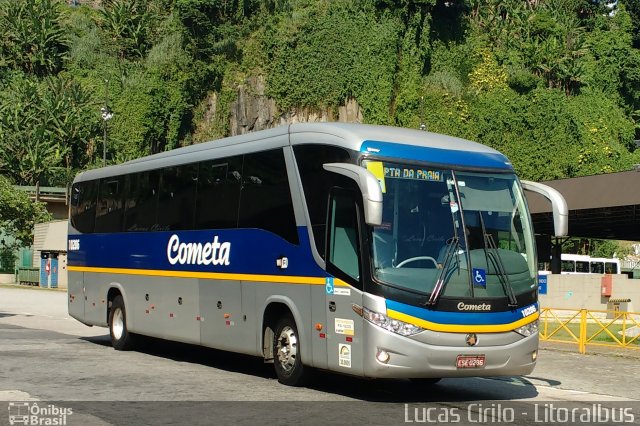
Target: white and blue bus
{"type": "Point", "coordinates": [367, 250]}
{"type": "Point", "coordinates": [583, 264]}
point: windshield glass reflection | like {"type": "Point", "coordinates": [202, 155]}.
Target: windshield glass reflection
{"type": "Point", "coordinates": [479, 233]}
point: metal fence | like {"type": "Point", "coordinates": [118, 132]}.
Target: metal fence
{"type": "Point", "coordinates": [585, 327]}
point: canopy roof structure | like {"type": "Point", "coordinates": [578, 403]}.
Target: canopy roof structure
{"type": "Point", "coordinates": [601, 206]}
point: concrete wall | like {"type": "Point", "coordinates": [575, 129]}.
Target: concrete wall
{"type": "Point", "coordinates": [7, 278]}
{"type": "Point", "coordinates": [584, 291]}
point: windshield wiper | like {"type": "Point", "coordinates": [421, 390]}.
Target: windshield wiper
{"type": "Point", "coordinates": [453, 245]}
{"type": "Point", "coordinates": [491, 252]}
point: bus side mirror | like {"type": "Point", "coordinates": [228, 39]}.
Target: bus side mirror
{"type": "Point", "coordinates": [369, 187]}
{"type": "Point", "coordinates": [558, 205]}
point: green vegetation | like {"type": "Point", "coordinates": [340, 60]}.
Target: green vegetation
{"type": "Point", "coordinates": [18, 214]}
{"type": "Point", "coordinates": [554, 84]}
{"type": "Point", "coordinates": [596, 248]}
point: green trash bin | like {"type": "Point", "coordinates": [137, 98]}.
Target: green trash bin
{"type": "Point", "coordinates": [29, 276]}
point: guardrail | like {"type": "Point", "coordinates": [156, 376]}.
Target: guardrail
{"type": "Point", "coordinates": [590, 327]}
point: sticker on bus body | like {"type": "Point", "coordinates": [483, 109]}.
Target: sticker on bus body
{"type": "Point", "coordinates": [328, 285]}
{"type": "Point", "coordinates": [337, 291]}
{"type": "Point", "coordinates": [344, 326]}
{"type": "Point", "coordinates": [344, 355]}
{"type": "Point", "coordinates": [376, 168]}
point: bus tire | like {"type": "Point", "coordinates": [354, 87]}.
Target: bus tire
{"type": "Point", "coordinates": [121, 339]}
{"type": "Point", "coordinates": [286, 353]}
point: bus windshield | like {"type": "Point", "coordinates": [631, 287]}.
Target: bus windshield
{"type": "Point", "coordinates": [470, 230]}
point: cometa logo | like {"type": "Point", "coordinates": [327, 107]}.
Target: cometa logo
{"type": "Point", "coordinates": [471, 307]}
{"type": "Point", "coordinates": [213, 253]}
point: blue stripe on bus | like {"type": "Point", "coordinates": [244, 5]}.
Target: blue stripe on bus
{"type": "Point", "coordinates": [465, 318]}
{"type": "Point", "coordinates": [252, 251]}
{"type": "Point", "coordinates": [437, 155]}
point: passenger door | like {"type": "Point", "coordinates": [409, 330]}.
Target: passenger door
{"type": "Point", "coordinates": [343, 255]}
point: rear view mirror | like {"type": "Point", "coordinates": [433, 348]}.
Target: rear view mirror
{"type": "Point", "coordinates": [558, 205]}
{"type": "Point", "coordinates": [369, 187]}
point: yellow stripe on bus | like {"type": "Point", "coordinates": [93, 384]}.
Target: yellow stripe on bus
{"type": "Point", "coordinates": [285, 279]}
{"type": "Point", "coordinates": [461, 328]}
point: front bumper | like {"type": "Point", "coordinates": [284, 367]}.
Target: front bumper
{"type": "Point", "coordinates": [409, 358]}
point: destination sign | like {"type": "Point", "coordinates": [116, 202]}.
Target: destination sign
{"type": "Point", "coordinates": [413, 173]}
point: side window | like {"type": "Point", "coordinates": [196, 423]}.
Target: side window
{"type": "Point", "coordinates": [582, 266]}
{"type": "Point", "coordinates": [141, 200]}
{"type": "Point", "coordinates": [343, 251]}
{"type": "Point", "coordinates": [611, 268]}
{"type": "Point", "coordinates": [218, 193]}
{"type": "Point", "coordinates": [109, 212]}
{"type": "Point", "coordinates": [177, 197]}
{"type": "Point", "coordinates": [265, 200]}
{"type": "Point", "coordinates": [316, 183]}
{"type": "Point", "coordinates": [568, 266]}
{"type": "Point", "coordinates": [83, 205]}
{"type": "Point", "coordinates": [597, 267]}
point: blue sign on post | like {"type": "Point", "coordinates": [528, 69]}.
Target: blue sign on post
{"type": "Point", "coordinates": [542, 284]}
{"type": "Point", "coordinates": [45, 269]}
{"type": "Point", "coordinates": [53, 272]}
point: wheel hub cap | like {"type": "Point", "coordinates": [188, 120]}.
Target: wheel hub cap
{"type": "Point", "coordinates": [287, 348]}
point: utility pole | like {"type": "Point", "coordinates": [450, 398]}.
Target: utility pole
{"type": "Point", "coordinates": [423, 126]}
{"type": "Point", "coordinates": [106, 116]}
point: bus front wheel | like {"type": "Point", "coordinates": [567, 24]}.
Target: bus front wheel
{"type": "Point", "coordinates": [121, 339]}
{"type": "Point", "coordinates": [286, 353]}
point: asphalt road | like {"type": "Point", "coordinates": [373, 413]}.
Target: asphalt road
{"type": "Point", "coordinates": [49, 360]}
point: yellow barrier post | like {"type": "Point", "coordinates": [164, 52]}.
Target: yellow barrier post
{"type": "Point", "coordinates": [624, 328]}
{"type": "Point", "coordinates": [582, 343]}
{"type": "Point", "coordinates": [589, 327]}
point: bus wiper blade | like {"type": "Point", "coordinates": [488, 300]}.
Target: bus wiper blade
{"type": "Point", "coordinates": [491, 249]}
{"type": "Point", "coordinates": [452, 247]}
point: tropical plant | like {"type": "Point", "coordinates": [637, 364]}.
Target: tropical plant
{"type": "Point", "coordinates": [45, 127]}
{"type": "Point", "coordinates": [128, 25]}
{"type": "Point", "coordinates": [18, 214]}
{"type": "Point", "coordinates": [32, 39]}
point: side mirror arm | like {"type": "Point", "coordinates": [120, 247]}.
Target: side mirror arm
{"type": "Point", "coordinates": [369, 187]}
{"type": "Point", "coordinates": [558, 204]}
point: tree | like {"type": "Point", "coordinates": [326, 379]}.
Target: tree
{"type": "Point", "coordinates": [608, 248]}
{"type": "Point", "coordinates": [18, 214]}
{"type": "Point", "coordinates": [45, 127]}
{"type": "Point", "coordinates": [32, 38]}
{"type": "Point", "coordinates": [595, 247]}
{"type": "Point", "coordinates": [633, 7]}
{"type": "Point", "coordinates": [127, 23]}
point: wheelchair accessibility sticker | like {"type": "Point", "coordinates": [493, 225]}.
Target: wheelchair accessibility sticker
{"type": "Point", "coordinates": [479, 277]}
{"type": "Point", "coordinates": [329, 285]}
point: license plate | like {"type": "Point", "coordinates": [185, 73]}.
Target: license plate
{"type": "Point", "coordinates": [470, 361]}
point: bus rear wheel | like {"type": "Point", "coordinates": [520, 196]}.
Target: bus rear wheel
{"type": "Point", "coordinates": [121, 339]}
{"type": "Point", "coordinates": [286, 353]}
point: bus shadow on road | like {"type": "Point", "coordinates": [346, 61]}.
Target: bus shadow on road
{"type": "Point", "coordinates": [446, 390]}
{"type": "Point", "coordinates": [373, 390]}
{"type": "Point", "coordinates": [183, 352]}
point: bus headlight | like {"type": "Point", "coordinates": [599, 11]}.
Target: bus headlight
{"type": "Point", "coordinates": [528, 330]}
{"type": "Point", "coordinates": [396, 326]}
